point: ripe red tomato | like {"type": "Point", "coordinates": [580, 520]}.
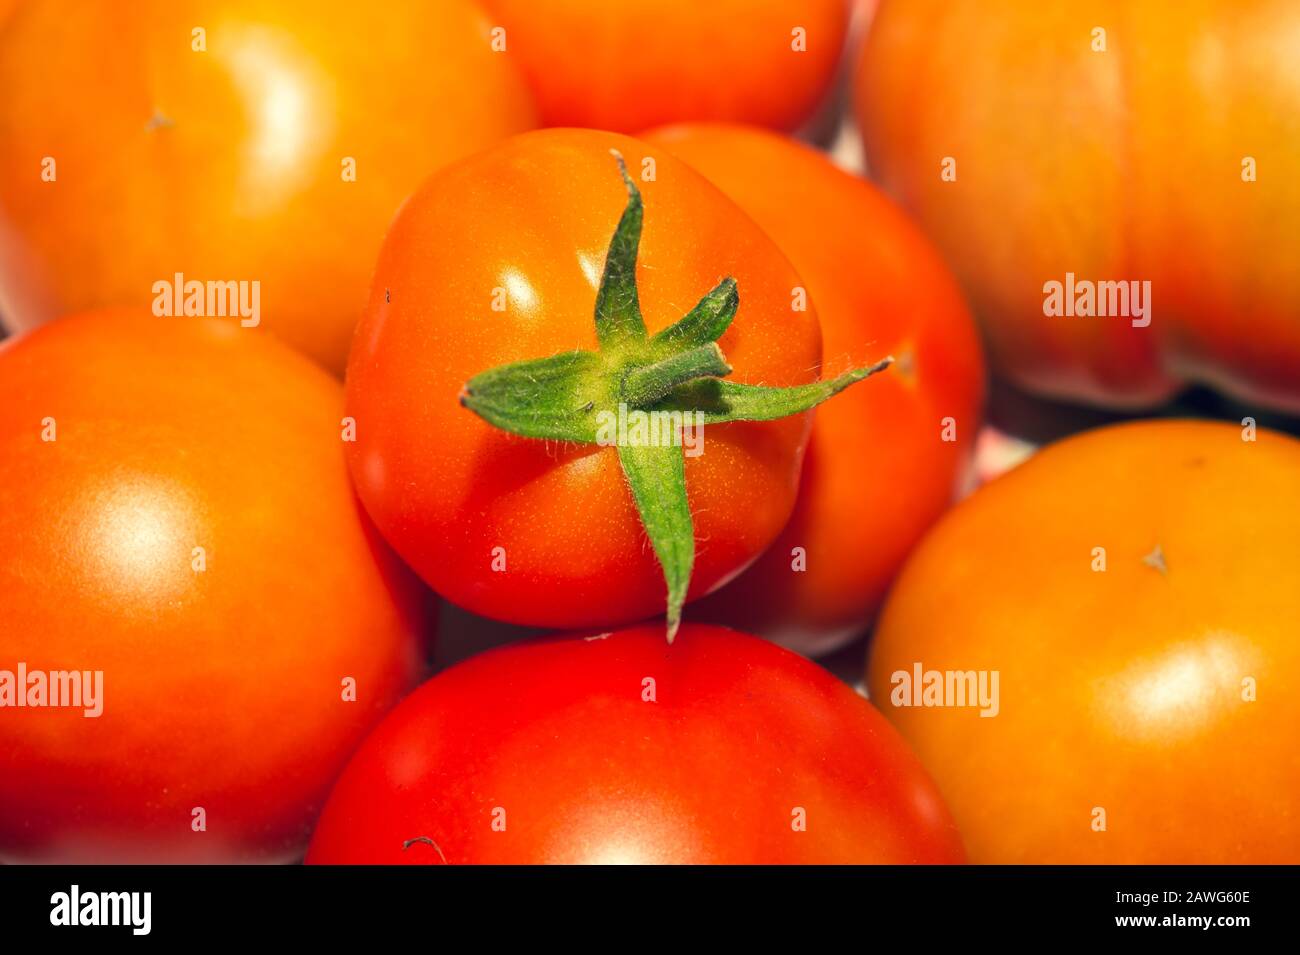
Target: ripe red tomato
{"type": "Point", "coordinates": [884, 459]}
{"type": "Point", "coordinates": [1117, 141]}
{"type": "Point", "coordinates": [498, 259]}
{"type": "Point", "coordinates": [1136, 589]}
{"type": "Point", "coordinates": [633, 64]}
{"type": "Point", "coordinates": [231, 162]}
{"type": "Point", "coordinates": [721, 748]}
{"type": "Point", "coordinates": [175, 513]}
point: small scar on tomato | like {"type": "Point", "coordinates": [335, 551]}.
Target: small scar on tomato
{"type": "Point", "coordinates": [158, 120]}
{"type": "Point", "coordinates": [427, 841]}
{"type": "Point", "coordinates": [904, 362]}
{"type": "Point", "coordinates": [1156, 560]}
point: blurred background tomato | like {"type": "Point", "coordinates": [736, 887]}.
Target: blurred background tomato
{"type": "Point", "coordinates": [632, 64]}
{"type": "Point", "coordinates": [228, 154]}
{"type": "Point", "coordinates": [1121, 140]}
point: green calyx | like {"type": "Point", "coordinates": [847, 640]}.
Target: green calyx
{"type": "Point", "coordinates": [641, 393]}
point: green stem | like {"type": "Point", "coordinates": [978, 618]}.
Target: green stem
{"type": "Point", "coordinates": [723, 401]}
{"type": "Point", "coordinates": [656, 477]}
{"type": "Point", "coordinates": [679, 371]}
{"type": "Point", "coordinates": [618, 307]}
{"type": "Point", "coordinates": [646, 384]}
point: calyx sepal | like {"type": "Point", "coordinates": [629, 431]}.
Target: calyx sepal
{"type": "Point", "coordinates": [681, 369]}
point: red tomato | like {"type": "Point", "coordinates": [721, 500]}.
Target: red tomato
{"type": "Point", "coordinates": [1136, 589]}
{"type": "Point", "coordinates": [175, 513]}
{"type": "Point", "coordinates": [231, 162]}
{"type": "Point", "coordinates": [721, 748]}
{"type": "Point", "coordinates": [497, 260]}
{"type": "Point", "coordinates": [883, 461]}
{"type": "Point", "coordinates": [1114, 141]}
{"type": "Point", "coordinates": [632, 64]}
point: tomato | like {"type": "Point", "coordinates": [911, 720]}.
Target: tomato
{"type": "Point", "coordinates": [633, 64]}
{"type": "Point", "coordinates": [879, 468]}
{"type": "Point", "coordinates": [276, 154]}
{"type": "Point", "coordinates": [1158, 697]}
{"type": "Point", "coordinates": [499, 259]}
{"type": "Point", "coordinates": [721, 748]}
{"type": "Point", "coordinates": [175, 514]}
{"type": "Point", "coordinates": [1159, 159]}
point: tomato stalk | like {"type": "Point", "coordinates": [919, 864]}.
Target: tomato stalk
{"type": "Point", "coordinates": [680, 372]}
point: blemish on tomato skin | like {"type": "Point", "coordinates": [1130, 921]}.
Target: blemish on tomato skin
{"type": "Point", "coordinates": [426, 840]}
{"type": "Point", "coordinates": [1156, 560]}
{"type": "Point", "coordinates": [905, 362]}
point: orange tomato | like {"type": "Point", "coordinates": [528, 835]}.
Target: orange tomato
{"type": "Point", "coordinates": [498, 259]}
{"type": "Point", "coordinates": [878, 470]}
{"type": "Point", "coordinates": [1137, 590]}
{"type": "Point", "coordinates": [175, 513]}
{"type": "Point", "coordinates": [632, 64]}
{"type": "Point", "coordinates": [1118, 141]}
{"type": "Point", "coordinates": [231, 162]}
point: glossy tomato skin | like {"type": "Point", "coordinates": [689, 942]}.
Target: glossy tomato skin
{"type": "Point", "coordinates": [621, 748]}
{"type": "Point", "coordinates": [1119, 165]}
{"type": "Point", "coordinates": [630, 65]}
{"type": "Point", "coordinates": [222, 669]}
{"type": "Point", "coordinates": [529, 531]}
{"type": "Point", "coordinates": [878, 470]}
{"type": "Point", "coordinates": [229, 164]}
{"type": "Point", "coordinates": [1124, 690]}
